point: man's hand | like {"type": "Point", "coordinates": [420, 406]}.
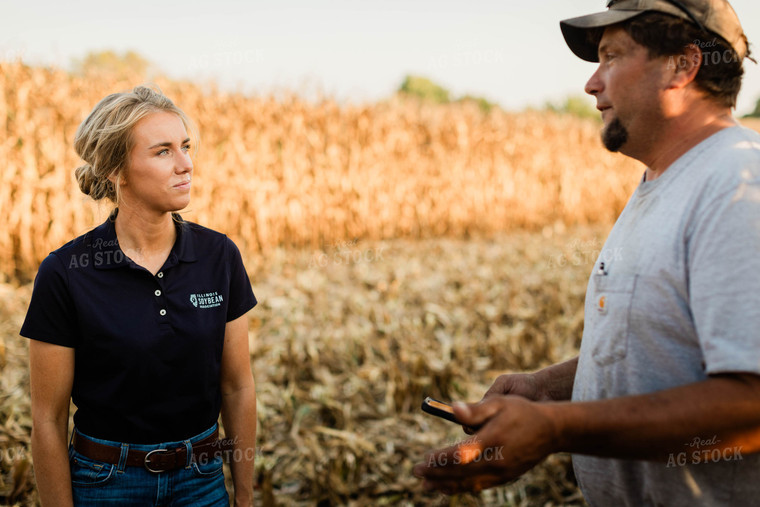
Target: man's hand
{"type": "Point", "coordinates": [518, 384]}
{"type": "Point", "coordinates": [515, 436]}
{"type": "Point", "coordinates": [554, 383]}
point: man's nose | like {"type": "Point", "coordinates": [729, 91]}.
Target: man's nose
{"type": "Point", "coordinates": [594, 85]}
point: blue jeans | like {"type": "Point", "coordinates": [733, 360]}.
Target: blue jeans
{"type": "Point", "coordinates": [97, 483]}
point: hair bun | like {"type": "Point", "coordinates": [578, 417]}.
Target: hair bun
{"type": "Point", "coordinates": [90, 184]}
{"type": "Point", "coordinates": [86, 178]}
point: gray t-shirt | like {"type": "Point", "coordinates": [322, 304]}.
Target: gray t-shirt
{"type": "Point", "coordinates": [675, 297]}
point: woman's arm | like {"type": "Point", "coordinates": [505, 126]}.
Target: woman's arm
{"type": "Point", "coordinates": [51, 369]}
{"type": "Point", "coordinates": [239, 407]}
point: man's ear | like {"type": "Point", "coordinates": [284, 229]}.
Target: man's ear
{"type": "Point", "coordinates": [685, 66]}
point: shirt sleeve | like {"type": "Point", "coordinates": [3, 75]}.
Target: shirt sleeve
{"type": "Point", "coordinates": [241, 294]}
{"type": "Point", "coordinates": [724, 270]}
{"type": "Point", "coordinates": [51, 316]}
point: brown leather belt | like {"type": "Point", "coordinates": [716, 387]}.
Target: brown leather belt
{"type": "Point", "coordinates": [157, 460]}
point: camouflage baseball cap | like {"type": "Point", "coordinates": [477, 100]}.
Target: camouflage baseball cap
{"type": "Point", "coordinates": [715, 16]}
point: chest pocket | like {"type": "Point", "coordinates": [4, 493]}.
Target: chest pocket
{"type": "Point", "coordinates": [613, 296]}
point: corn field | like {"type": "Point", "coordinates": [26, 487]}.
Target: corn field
{"type": "Point", "coordinates": [282, 171]}
{"type": "Point", "coordinates": [398, 250]}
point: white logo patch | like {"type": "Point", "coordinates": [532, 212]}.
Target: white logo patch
{"type": "Point", "coordinates": [206, 299]}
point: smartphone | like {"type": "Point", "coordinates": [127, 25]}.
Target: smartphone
{"type": "Point", "coordinates": [440, 409]}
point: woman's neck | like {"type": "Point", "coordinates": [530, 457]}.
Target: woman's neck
{"type": "Point", "coordinates": [146, 239]}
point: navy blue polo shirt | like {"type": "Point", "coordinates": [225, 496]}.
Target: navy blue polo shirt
{"type": "Point", "coordinates": [148, 348]}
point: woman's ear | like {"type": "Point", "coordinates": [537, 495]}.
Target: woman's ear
{"type": "Point", "coordinates": [117, 176]}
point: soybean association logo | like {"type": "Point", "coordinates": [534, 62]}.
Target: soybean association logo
{"type": "Point", "coordinates": [206, 299]}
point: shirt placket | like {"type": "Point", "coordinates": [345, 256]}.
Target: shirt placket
{"type": "Point", "coordinates": [160, 297]}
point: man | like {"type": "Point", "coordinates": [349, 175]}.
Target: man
{"type": "Point", "coordinates": [662, 405]}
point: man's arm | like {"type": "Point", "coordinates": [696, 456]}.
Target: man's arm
{"type": "Point", "coordinates": [51, 371]}
{"type": "Point", "coordinates": [239, 407]}
{"type": "Point", "coordinates": [652, 426]}
{"type": "Point", "coordinates": [517, 434]}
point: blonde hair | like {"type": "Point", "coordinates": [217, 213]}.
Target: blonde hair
{"type": "Point", "coordinates": [104, 139]}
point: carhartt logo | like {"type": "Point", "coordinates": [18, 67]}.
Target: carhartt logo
{"type": "Point", "coordinates": [601, 305]}
{"type": "Point", "coordinates": [206, 299]}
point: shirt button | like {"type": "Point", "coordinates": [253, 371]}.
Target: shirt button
{"type": "Point", "coordinates": [160, 274]}
{"type": "Point", "coordinates": [162, 312]}
{"type": "Point", "coordinates": [157, 293]}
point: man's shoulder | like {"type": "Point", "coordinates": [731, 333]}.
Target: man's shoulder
{"type": "Point", "coordinates": [732, 159]}
{"type": "Point", "coordinates": [740, 138]}
{"type": "Point", "coordinates": [739, 143]}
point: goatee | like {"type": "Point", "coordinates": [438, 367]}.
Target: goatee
{"type": "Point", "coordinates": [614, 136]}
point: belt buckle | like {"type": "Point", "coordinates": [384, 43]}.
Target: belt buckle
{"type": "Point", "coordinates": [146, 461]}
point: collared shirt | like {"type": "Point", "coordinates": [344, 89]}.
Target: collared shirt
{"type": "Point", "coordinates": [148, 348]}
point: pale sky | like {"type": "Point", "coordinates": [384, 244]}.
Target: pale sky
{"type": "Point", "coordinates": [511, 52]}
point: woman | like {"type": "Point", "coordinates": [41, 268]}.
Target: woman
{"type": "Point", "coordinates": [142, 323]}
